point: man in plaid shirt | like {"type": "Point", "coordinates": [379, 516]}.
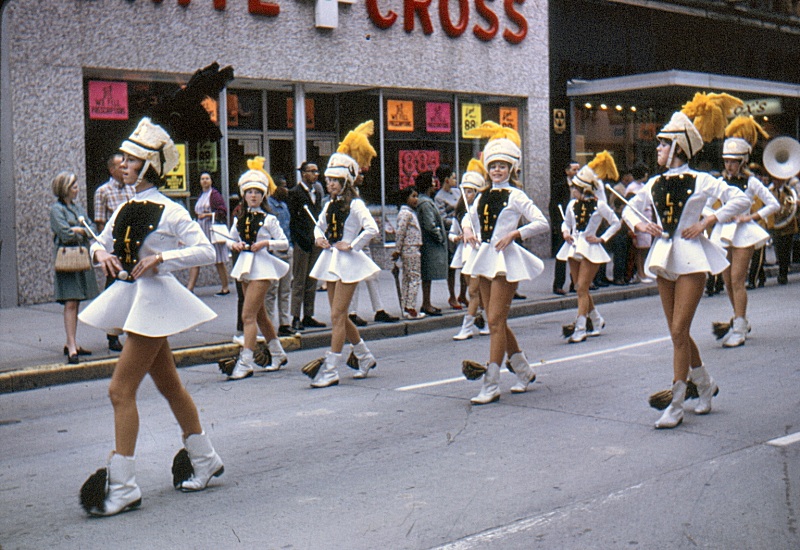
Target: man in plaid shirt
{"type": "Point", "coordinates": [107, 199]}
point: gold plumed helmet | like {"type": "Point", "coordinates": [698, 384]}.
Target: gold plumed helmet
{"type": "Point", "coordinates": [742, 135]}
{"type": "Point", "coordinates": [474, 177]}
{"type": "Point", "coordinates": [504, 144]}
{"type": "Point", "coordinates": [354, 154]}
{"type": "Point", "coordinates": [151, 143]}
{"type": "Point", "coordinates": [601, 167]}
{"type": "Point", "coordinates": [699, 121]}
{"type": "Point", "coordinates": [256, 178]}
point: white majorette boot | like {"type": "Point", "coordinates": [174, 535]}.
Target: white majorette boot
{"type": "Point", "coordinates": [279, 357]}
{"type": "Point", "coordinates": [706, 389]}
{"type": "Point", "coordinates": [121, 492]}
{"type": "Point", "coordinates": [468, 328]}
{"type": "Point", "coordinates": [579, 335]}
{"type": "Point", "coordinates": [673, 415]}
{"type": "Point", "coordinates": [366, 360]}
{"type": "Point", "coordinates": [521, 367]}
{"type": "Point", "coordinates": [737, 334]}
{"type": "Point", "coordinates": [328, 374]}
{"type": "Point", "coordinates": [244, 365]}
{"type": "Point", "coordinates": [490, 391]}
{"type": "Point", "coordinates": [205, 463]}
{"type": "Point", "coordinates": [598, 323]}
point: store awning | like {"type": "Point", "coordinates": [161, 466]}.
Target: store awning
{"type": "Point", "coordinates": [666, 84]}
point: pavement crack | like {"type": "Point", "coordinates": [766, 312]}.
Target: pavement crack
{"type": "Point", "coordinates": [450, 437]}
{"type": "Point", "coordinates": [791, 518]}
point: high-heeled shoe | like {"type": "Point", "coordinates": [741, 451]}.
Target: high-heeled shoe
{"type": "Point", "coordinates": [81, 351]}
{"type": "Point", "coordinates": [454, 303]}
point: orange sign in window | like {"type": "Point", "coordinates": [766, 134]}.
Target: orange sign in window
{"type": "Point", "coordinates": [400, 116]}
{"type": "Point", "coordinates": [509, 118]}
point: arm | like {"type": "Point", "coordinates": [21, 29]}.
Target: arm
{"type": "Point", "coordinates": [100, 201]}
{"type": "Point", "coordinates": [771, 204]}
{"type": "Point", "coordinates": [429, 221]}
{"type": "Point", "coordinates": [217, 203]}
{"type": "Point", "coordinates": [196, 249]}
{"type": "Point", "coordinates": [368, 225]}
{"type": "Point", "coordinates": [65, 232]}
{"type": "Point", "coordinates": [276, 237]}
{"type": "Point", "coordinates": [611, 217]}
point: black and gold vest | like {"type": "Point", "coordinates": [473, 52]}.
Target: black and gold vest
{"type": "Point", "coordinates": [337, 213]}
{"type": "Point", "coordinates": [583, 210]}
{"type": "Point", "coordinates": [135, 221]}
{"type": "Point", "coordinates": [740, 182]}
{"type": "Point", "coordinates": [670, 194]}
{"type": "Point", "coordinates": [248, 226]}
{"type": "Point", "coordinates": [489, 207]}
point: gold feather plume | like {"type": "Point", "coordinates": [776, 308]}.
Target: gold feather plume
{"type": "Point", "coordinates": [710, 112]}
{"type": "Point", "coordinates": [477, 166]}
{"type": "Point", "coordinates": [257, 163]}
{"type": "Point", "coordinates": [746, 128]}
{"type": "Point", "coordinates": [356, 145]}
{"type": "Point", "coordinates": [604, 166]}
{"type": "Point", "coordinates": [486, 130]}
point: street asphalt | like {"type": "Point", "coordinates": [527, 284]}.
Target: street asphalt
{"type": "Point", "coordinates": [32, 337]}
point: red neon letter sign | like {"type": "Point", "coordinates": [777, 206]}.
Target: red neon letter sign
{"type": "Point", "coordinates": [379, 20]}
{"type": "Point", "coordinates": [420, 7]}
{"type": "Point", "coordinates": [454, 31]}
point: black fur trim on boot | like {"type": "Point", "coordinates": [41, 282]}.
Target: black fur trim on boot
{"type": "Point", "coordinates": [227, 365]}
{"type": "Point", "coordinates": [352, 361]}
{"type": "Point", "coordinates": [94, 490]}
{"type": "Point", "coordinates": [311, 368]}
{"type": "Point", "coordinates": [182, 468]}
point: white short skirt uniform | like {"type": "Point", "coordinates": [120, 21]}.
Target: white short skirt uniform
{"type": "Point", "coordinates": [463, 252]}
{"type": "Point", "coordinates": [580, 247]}
{"type": "Point", "coordinates": [514, 262]}
{"type": "Point", "coordinates": [261, 265]}
{"type": "Point", "coordinates": [353, 265]}
{"type": "Point", "coordinates": [156, 305]}
{"type": "Point", "coordinates": [744, 235]}
{"type": "Point", "coordinates": [671, 256]}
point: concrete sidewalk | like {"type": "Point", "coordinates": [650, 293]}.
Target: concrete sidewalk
{"type": "Point", "coordinates": [32, 337]}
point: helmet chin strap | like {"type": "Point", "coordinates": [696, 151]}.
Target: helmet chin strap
{"type": "Point", "coordinates": [142, 172]}
{"type": "Point", "coordinates": [671, 153]}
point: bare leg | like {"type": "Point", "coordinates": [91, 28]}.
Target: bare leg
{"type": "Point", "coordinates": [165, 376]}
{"type": "Point", "coordinates": [498, 294]}
{"type": "Point", "coordinates": [679, 300]}
{"type": "Point", "coordinates": [735, 278]}
{"type": "Point", "coordinates": [223, 276]}
{"type": "Point", "coordinates": [342, 328]}
{"type": "Point", "coordinates": [194, 272]}
{"type": "Point", "coordinates": [71, 325]}
{"type": "Point", "coordinates": [426, 295]}
{"type": "Point", "coordinates": [136, 359]}
{"type": "Point", "coordinates": [474, 295]}
{"type": "Point", "coordinates": [583, 272]}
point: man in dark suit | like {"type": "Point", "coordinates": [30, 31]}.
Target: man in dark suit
{"type": "Point", "coordinates": [308, 192]}
{"type": "Point", "coordinates": [560, 195]}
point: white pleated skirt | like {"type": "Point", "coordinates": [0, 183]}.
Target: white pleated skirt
{"type": "Point", "coordinates": [155, 306]}
{"type": "Point", "coordinates": [670, 258]}
{"type": "Point", "coordinates": [258, 266]}
{"type": "Point", "coordinates": [739, 235]}
{"type": "Point", "coordinates": [581, 249]}
{"type": "Point", "coordinates": [516, 263]}
{"type": "Point", "coordinates": [348, 267]}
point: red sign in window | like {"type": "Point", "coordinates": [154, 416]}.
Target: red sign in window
{"type": "Point", "coordinates": [108, 100]}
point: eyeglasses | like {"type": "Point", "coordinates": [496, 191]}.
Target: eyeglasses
{"type": "Point", "coordinates": [311, 171]}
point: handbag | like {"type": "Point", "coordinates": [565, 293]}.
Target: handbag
{"type": "Point", "coordinates": [219, 232]}
{"type": "Point", "coordinates": [70, 259]}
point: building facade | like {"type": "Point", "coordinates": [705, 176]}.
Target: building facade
{"type": "Point", "coordinates": [76, 76]}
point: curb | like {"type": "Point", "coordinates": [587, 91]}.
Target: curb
{"type": "Point", "coordinates": [41, 376]}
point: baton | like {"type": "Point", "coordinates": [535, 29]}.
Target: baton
{"type": "Point", "coordinates": [310, 215]}
{"type": "Point", "coordinates": [644, 218]}
{"type": "Point", "coordinates": [88, 227]}
{"type": "Point", "coordinates": [561, 211]}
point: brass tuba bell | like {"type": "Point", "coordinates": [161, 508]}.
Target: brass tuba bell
{"type": "Point", "coordinates": [782, 161]}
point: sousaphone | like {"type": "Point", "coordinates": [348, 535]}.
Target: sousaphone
{"type": "Point", "coordinates": [782, 161]}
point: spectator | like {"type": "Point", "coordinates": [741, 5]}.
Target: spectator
{"type": "Point", "coordinates": [434, 241]}
{"type": "Point", "coordinates": [279, 293]}
{"type": "Point", "coordinates": [408, 243]}
{"type": "Point", "coordinates": [446, 199]}
{"type": "Point", "coordinates": [209, 209]}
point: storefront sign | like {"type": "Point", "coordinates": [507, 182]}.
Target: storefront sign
{"type": "Point", "coordinates": [326, 15]}
{"type": "Point", "coordinates": [413, 163]}
{"type": "Point", "coordinates": [207, 156]}
{"type": "Point", "coordinates": [509, 118]}
{"type": "Point", "coordinates": [400, 116]}
{"type": "Point", "coordinates": [108, 100]}
{"type": "Point", "coordinates": [760, 107]}
{"type": "Point", "coordinates": [311, 120]}
{"type": "Point", "coordinates": [175, 181]}
{"type": "Point", "coordinates": [470, 116]}
{"type": "Point", "coordinates": [437, 117]}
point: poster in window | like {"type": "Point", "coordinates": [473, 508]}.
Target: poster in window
{"type": "Point", "coordinates": [470, 116]}
{"type": "Point", "coordinates": [414, 162]}
{"type": "Point", "coordinates": [108, 100]}
{"type": "Point", "coordinates": [311, 121]}
{"type": "Point", "coordinates": [509, 118]}
{"type": "Point", "coordinates": [207, 156]}
{"type": "Point", "coordinates": [437, 117]}
{"type": "Point", "coordinates": [400, 115]}
{"type": "Point", "coordinates": [175, 181]}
